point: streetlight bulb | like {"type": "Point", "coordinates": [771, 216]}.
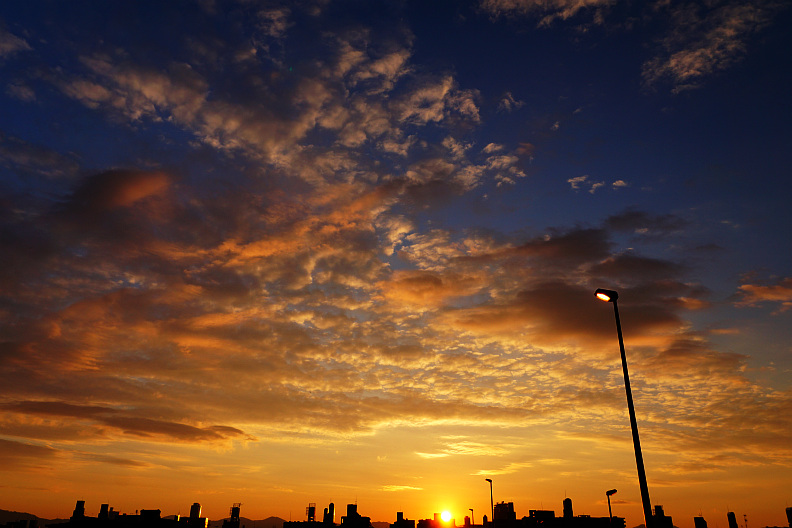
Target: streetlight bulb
{"type": "Point", "coordinates": [606, 295]}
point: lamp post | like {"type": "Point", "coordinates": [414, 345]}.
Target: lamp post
{"type": "Point", "coordinates": [610, 513]}
{"type": "Point", "coordinates": [611, 296]}
{"type": "Point", "coordinates": [492, 503]}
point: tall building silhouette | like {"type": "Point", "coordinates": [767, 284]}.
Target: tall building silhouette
{"type": "Point", "coordinates": [699, 522]}
{"type": "Point", "coordinates": [568, 508]}
{"type": "Point", "coordinates": [233, 520]}
{"type": "Point", "coordinates": [329, 514]}
{"type": "Point", "coordinates": [195, 520]}
{"type": "Point", "coordinates": [789, 516]}
{"type": "Point", "coordinates": [79, 510]}
{"type": "Point", "coordinates": [732, 520]}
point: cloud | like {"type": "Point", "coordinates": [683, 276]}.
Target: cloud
{"type": "Point", "coordinates": [21, 455]}
{"type": "Point", "coordinates": [513, 467]}
{"type": "Point", "coordinates": [124, 421]}
{"type": "Point", "coordinates": [34, 160]}
{"type": "Point", "coordinates": [581, 182]}
{"type": "Point", "coordinates": [427, 289]}
{"type": "Point", "coordinates": [643, 223]}
{"type": "Point", "coordinates": [628, 267]}
{"type": "Point", "coordinates": [468, 448]}
{"type": "Point", "coordinates": [508, 103]}
{"type": "Point", "coordinates": [21, 91]}
{"type": "Point", "coordinates": [10, 44]}
{"type": "Point", "coordinates": [548, 11]}
{"type": "Point", "coordinates": [692, 41]}
{"type": "Point", "coordinates": [114, 461]}
{"type": "Point", "coordinates": [754, 294]}
{"type": "Point", "coordinates": [394, 487]}
{"type": "Point", "coordinates": [116, 189]}
{"type": "Point", "coordinates": [707, 40]}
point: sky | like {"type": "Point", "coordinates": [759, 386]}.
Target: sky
{"type": "Point", "coordinates": [317, 251]}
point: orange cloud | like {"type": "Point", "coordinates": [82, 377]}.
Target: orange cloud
{"type": "Point", "coordinates": [753, 294]}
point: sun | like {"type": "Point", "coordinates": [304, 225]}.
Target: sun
{"type": "Point", "coordinates": [446, 516]}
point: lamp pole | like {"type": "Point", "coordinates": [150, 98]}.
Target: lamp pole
{"type": "Point", "coordinates": [610, 513]}
{"type": "Point", "coordinates": [492, 503]}
{"type": "Point", "coordinates": [611, 296]}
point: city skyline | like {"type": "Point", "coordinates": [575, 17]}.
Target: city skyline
{"type": "Point", "coordinates": [505, 515]}
{"type": "Point", "coordinates": [283, 252]}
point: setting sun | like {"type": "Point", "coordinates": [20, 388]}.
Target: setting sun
{"type": "Point", "coordinates": [446, 516]}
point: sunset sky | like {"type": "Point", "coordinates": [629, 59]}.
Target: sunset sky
{"type": "Point", "coordinates": [346, 251]}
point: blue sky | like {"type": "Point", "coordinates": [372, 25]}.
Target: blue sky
{"type": "Point", "coordinates": [252, 241]}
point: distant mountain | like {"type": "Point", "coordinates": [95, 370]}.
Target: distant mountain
{"type": "Point", "coordinates": [7, 516]}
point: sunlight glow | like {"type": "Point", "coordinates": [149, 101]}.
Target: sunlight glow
{"type": "Point", "coordinates": [446, 516]}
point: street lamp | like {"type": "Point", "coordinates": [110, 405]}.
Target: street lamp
{"type": "Point", "coordinates": [611, 296]}
{"type": "Point", "coordinates": [492, 503]}
{"type": "Point", "coordinates": [610, 513]}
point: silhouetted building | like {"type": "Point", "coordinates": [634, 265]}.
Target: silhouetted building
{"type": "Point", "coordinates": [541, 518]}
{"type": "Point", "coordinates": [329, 514]}
{"type": "Point", "coordinates": [109, 518]}
{"type": "Point", "coordinates": [79, 510]}
{"type": "Point", "coordinates": [789, 516]}
{"type": "Point", "coordinates": [548, 519]}
{"type": "Point", "coordinates": [732, 520]}
{"type": "Point", "coordinates": [195, 520]}
{"type": "Point", "coordinates": [699, 522]}
{"type": "Point", "coordinates": [150, 516]}
{"type": "Point", "coordinates": [233, 520]}
{"type": "Point", "coordinates": [401, 522]}
{"type": "Point", "coordinates": [568, 508]}
{"type": "Point", "coordinates": [504, 513]}
{"type": "Point", "coordinates": [661, 520]}
{"type": "Point", "coordinates": [353, 519]}
{"type": "Point", "coordinates": [328, 518]}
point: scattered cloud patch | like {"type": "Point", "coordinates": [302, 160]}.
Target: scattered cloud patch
{"type": "Point", "coordinates": [755, 294]}
{"type": "Point", "coordinates": [508, 103]}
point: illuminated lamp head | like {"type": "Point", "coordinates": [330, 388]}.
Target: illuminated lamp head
{"type": "Point", "coordinates": [606, 295]}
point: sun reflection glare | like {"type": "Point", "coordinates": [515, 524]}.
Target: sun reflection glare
{"type": "Point", "coordinates": [446, 516]}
